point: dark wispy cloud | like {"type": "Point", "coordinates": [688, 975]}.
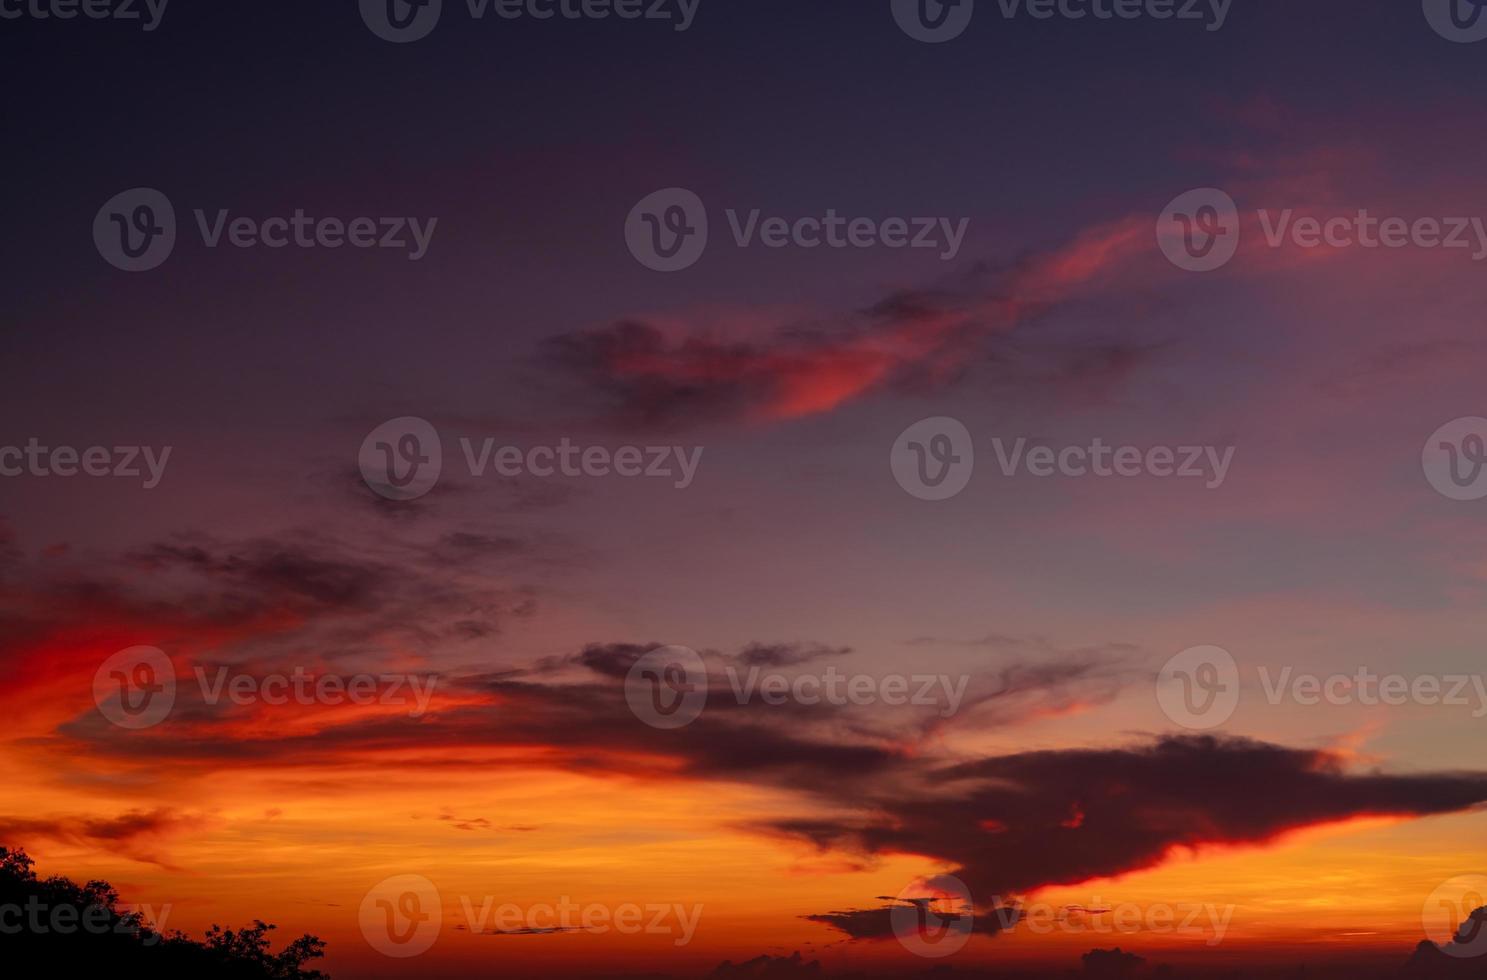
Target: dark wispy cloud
{"type": "Point", "coordinates": [138, 834]}
{"type": "Point", "coordinates": [1008, 825]}
{"type": "Point", "coordinates": [911, 340]}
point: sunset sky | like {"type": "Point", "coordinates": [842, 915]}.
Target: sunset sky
{"type": "Point", "coordinates": [1319, 832]}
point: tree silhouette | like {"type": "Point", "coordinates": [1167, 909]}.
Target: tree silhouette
{"type": "Point", "coordinates": [71, 928]}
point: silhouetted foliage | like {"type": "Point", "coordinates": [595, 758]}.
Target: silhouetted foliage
{"type": "Point", "coordinates": [79, 930]}
{"type": "Point", "coordinates": [1111, 963]}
